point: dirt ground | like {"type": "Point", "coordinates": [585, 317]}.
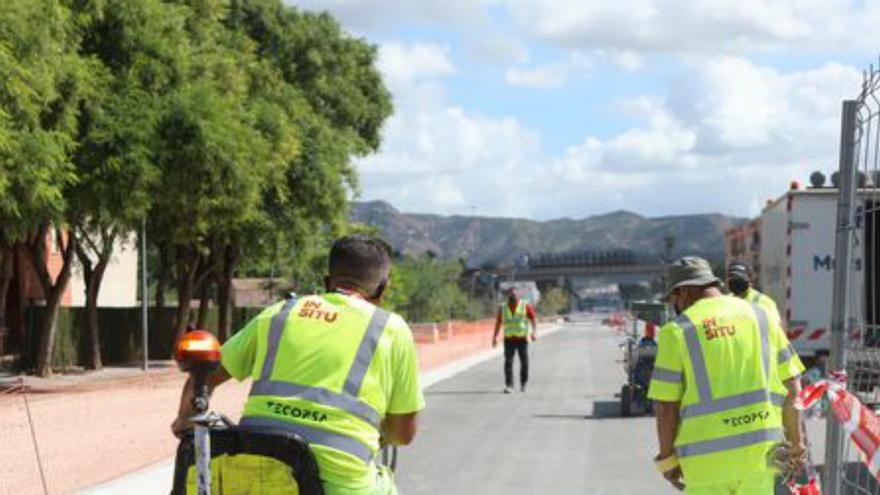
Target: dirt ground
{"type": "Point", "coordinates": [96, 427]}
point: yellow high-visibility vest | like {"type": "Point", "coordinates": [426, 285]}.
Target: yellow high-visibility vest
{"type": "Point", "coordinates": [515, 322]}
{"type": "Point", "coordinates": [322, 385]}
{"type": "Point", "coordinates": [725, 360]}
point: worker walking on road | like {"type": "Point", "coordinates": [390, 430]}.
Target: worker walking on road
{"type": "Point", "coordinates": [515, 316]}
{"type": "Point", "coordinates": [740, 281]}
{"type": "Point", "coordinates": [335, 369]}
{"type": "Point", "coordinates": [724, 385]}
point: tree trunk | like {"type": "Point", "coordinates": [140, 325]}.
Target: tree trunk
{"type": "Point", "coordinates": [52, 290]}
{"type": "Point", "coordinates": [225, 301]}
{"type": "Point", "coordinates": [163, 280]}
{"type": "Point", "coordinates": [93, 275]}
{"type": "Point", "coordinates": [7, 271]}
{"type": "Point", "coordinates": [93, 290]}
{"type": "Point", "coordinates": [224, 308]}
{"type": "Point", "coordinates": [188, 261]}
{"type": "Point", "coordinates": [204, 304]}
{"type": "Point", "coordinates": [15, 311]}
{"type": "Point", "coordinates": [48, 329]}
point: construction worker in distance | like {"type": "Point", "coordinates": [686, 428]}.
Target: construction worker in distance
{"type": "Point", "coordinates": [335, 369]}
{"type": "Point", "coordinates": [741, 284]}
{"type": "Point", "coordinates": [724, 385]}
{"type": "Point", "coordinates": [515, 316]}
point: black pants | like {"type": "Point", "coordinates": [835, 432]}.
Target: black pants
{"type": "Point", "coordinates": [521, 347]}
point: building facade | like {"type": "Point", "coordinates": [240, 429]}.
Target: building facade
{"type": "Point", "coordinates": [743, 243]}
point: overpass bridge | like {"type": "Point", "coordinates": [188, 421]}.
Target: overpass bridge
{"type": "Point", "coordinates": [621, 274]}
{"type": "Point", "coordinates": [613, 266]}
{"type": "Point", "coordinates": [587, 275]}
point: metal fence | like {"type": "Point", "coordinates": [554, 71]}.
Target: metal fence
{"type": "Point", "coordinates": [855, 328]}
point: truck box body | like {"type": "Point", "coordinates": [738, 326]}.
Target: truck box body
{"type": "Point", "coordinates": [797, 265]}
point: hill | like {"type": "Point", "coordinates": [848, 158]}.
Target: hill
{"type": "Point", "coordinates": [481, 240]}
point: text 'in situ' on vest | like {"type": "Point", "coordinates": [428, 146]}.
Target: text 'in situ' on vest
{"type": "Point", "coordinates": [716, 331]}
{"type": "Point", "coordinates": [313, 310]}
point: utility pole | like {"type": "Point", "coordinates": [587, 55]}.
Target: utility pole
{"type": "Point", "coordinates": [145, 297]}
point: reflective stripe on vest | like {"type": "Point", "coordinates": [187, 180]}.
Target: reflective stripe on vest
{"type": "Point", "coordinates": [730, 443]}
{"type": "Point", "coordinates": [665, 375]}
{"type": "Point", "coordinates": [709, 405]}
{"type": "Point", "coordinates": [756, 298]}
{"type": "Point", "coordinates": [786, 354]}
{"type": "Point", "coordinates": [313, 436]}
{"type": "Point", "coordinates": [347, 400]}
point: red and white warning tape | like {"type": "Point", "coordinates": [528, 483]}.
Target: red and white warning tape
{"type": "Point", "coordinates": [860, 422]}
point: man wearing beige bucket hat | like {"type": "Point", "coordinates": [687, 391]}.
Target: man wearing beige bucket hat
{"type": "Point", "coordinates": [724, 385]}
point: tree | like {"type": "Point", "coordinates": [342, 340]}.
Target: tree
{"type": "Point", "coordinates": [427, 289]}
{"type": "Point", "coordinates": [43, 84]}
{"type": "Point", "coordinates": [326, 105]}
{"type": "Point", "coordinates": [554, 302]}
{"type": "Point", "coordinates": [139, 46]}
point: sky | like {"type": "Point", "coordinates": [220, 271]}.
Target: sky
{"type": "Point", "coordinates": [569, 108]}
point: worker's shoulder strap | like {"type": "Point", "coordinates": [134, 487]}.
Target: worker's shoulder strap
{"type": "Point", "coordinates": [756, 297]}
{"type": "Point", "coordinates": [276, 328]}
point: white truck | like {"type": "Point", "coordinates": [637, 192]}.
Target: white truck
{"type": "Point", "coordinates": [797, 266]}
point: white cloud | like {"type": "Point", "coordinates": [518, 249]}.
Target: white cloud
{"type": "Point", "coordinates": [627, 60]}
{"type": "Point", "coordinates": [362, 15]}
{"type": "Point", "coordinates": [438, 157]}
{"type": "Point", "coordinates": [728, 135]}
{"type": "Point", "coordinates": [498, 50]}
{"type": "Point", "coordinates": [705, 26]}
{"type": "Point", "coordinates": [548, 76]}
{"type": "Point", "coordinates": [729, 139]}
{"type": "Point", "coordinates": [401, 62]}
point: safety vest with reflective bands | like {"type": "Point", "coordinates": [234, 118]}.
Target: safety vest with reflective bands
{"type": "Point", "coordinates": [732, 393]}
{"type": "Point", "coordinates": [319, 380]}
{"type": "Point", "coordinates": [515, 322]}
{"type": "Point", "coordinates": [763, 300]}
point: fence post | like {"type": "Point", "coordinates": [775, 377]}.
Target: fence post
{"type": "Point", "coordinates": [834, 439]}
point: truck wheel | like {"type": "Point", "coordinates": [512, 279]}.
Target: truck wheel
{"type": "Point", "coordinates": [626, 399]}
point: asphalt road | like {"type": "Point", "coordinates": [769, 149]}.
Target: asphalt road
{"type": "Point", "coordinates": [563, 436]}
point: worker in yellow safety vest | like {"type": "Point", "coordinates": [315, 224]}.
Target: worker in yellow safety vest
{"type": "Point", "coordinates": [335, 369]}
{"type": "Point", "coordinates": [724, 384]}
{"type": "Point", "coordinates": [515, 315]}
{"type": "Point", "coordinates": [740, 281]}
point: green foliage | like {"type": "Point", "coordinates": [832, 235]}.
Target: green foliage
{"type": "Point", "coordinates": [425, 289]}
{"type": "Point", "coordinates": [42, 80]}
{"type": "Point", "coordinates": [554, 302]}
{"type": "Point", "coordinates": [230, 124]}
{"type": "Point", "coordinates": [326, 83]}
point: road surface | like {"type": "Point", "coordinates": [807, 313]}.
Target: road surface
{"type": "Point", "coordinates": [562, 437]}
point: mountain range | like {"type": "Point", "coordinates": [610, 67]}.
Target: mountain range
{"type": "Point", "coordinates": [500, 241]}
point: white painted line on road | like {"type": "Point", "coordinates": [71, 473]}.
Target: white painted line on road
{"type": "Point", "coordinates": [158, 478]}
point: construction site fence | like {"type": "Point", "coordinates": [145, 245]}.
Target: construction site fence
{"type": "Point", "coordinates": [855, 309]}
